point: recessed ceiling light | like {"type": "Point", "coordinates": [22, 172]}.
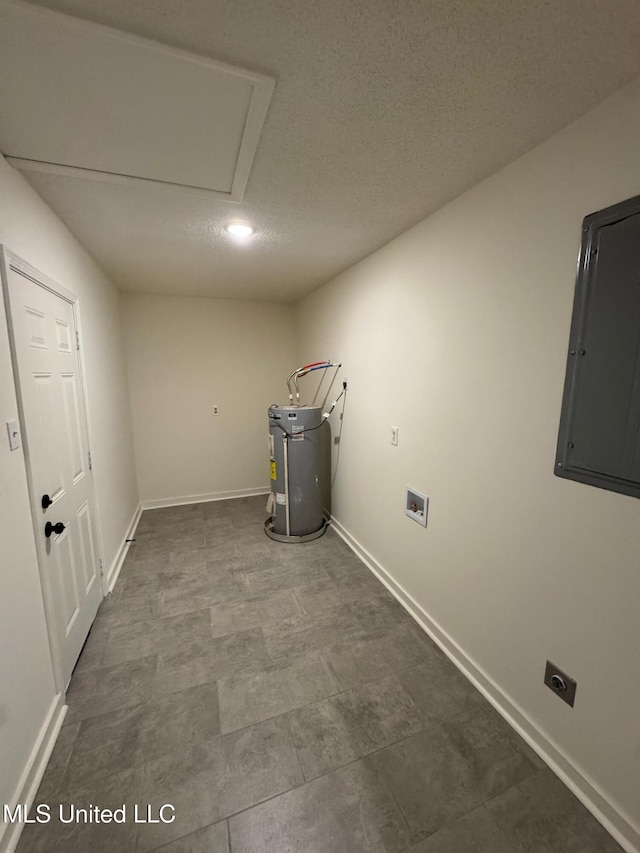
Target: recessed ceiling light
{"type": "Point", "coordinates": [239, 229]}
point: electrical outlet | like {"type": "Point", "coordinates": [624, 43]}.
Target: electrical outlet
{"type": "Point", "coordinates": [562, 684]}
{"type": "Point", "coordinates": [216, 410]}
{"type": "Point", "coordinates": [394, 435]}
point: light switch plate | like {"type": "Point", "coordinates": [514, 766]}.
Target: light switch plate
{"type": "Point", "coordinates": [13, 430]}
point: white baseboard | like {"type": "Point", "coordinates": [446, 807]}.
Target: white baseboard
{"type": "Point", "coordinates": [32, 774]}
{"type": "Point", "coordinates": [118, 562]}
{"type": "Point", "coordinates": [617, 824]}
{"type": "Point", "coordinates": [211, 496]}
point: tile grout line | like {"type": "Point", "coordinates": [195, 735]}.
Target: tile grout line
{"type": "Point", "coordinates": [295, 748]}
{"type": "Point", "coordinates": [187, 834]}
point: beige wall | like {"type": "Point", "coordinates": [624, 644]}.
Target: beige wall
{"type": "Point", "coordinates": [185, 355]}
{"type": "Point", "coordinates": [457, 333]}
{"type": "Point", "coordinates": [30, 229]}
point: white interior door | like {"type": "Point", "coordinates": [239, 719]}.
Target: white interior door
{"type": "Point", "coordinates": [44, 342]}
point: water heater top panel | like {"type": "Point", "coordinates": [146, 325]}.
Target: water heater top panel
{"type": "Point", "coordinates": [294, 413]}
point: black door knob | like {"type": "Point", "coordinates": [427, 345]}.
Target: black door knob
{"type": "Point", "coordinates": [53, 528]}
{"type": "Point", "coordinates": [46, 501]}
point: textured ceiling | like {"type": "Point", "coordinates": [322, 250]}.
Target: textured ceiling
{"type": "Point", "coordinates": [383, 111]}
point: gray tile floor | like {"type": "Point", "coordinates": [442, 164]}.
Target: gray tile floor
{"type": "Point", "coordinates": [281, 700]}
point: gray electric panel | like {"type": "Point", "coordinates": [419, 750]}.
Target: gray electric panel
{"type": "Point", "coordinates": [296, 469]}
{"type": "Point", "coordinates": [599, 436]}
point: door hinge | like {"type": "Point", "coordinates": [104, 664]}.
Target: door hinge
{"type": "Point", "coordinates": [90, 463]}
{"type": "Point", "coordinates": [77, 340]}
{"type": "Point", "coordinates": [101, 567]}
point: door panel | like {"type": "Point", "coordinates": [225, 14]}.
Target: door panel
{"type": "Point", "coordinates": [85, 549]}
{"type": "Point", "coordinates": [63, 336]}
{"type": "Point", "coordinates": [78, 453]}
{"type": "Point", "coordinates": [62, 556]}
{"type": "Point", "coordinates": [56, 442]}
{"type": "Point", "coordinates": [44, 450]}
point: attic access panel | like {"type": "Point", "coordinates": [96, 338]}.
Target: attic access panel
{"type": "Point", "coordinates": [599, 435]}
{"type": "Point", "coordinates": [86, 100]}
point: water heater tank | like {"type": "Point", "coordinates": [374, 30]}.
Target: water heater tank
{"type": "Point", "coordinates": [296, 473]}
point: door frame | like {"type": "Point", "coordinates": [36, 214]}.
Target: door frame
{"type": "Point", "coordinates": [8, 261]}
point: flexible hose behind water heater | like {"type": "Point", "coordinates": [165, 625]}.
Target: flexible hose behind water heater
{"type": "Point", "coordinates": [300, 371]}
